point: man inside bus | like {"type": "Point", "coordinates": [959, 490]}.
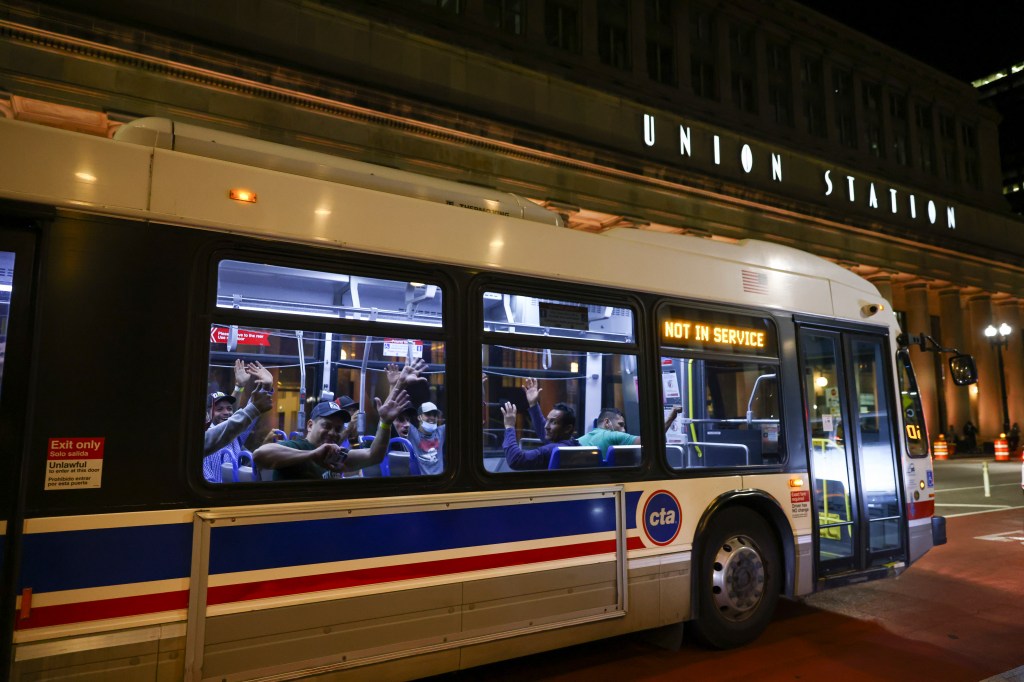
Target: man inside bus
{"type": "Point", "coordinates": [610, 429]}
{"type": "Point", "coordinates": [320, 454]}
{"type": "Point", "coordinates": [227, 429]}
{"type": "Point", "coordinates": [555, 431]}
{"type": "Point", "coordinates": [427, 435]}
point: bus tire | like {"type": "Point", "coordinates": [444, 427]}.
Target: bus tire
{"type": "Point", "coordinates": [739, 576]}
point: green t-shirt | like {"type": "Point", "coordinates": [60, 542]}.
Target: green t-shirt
{"type": "Point", "coordinates": [602, 438]}
{"type": "Point", "coordinates": [304, 471]}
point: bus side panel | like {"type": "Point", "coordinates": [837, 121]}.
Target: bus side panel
{"type": "Point", "coordinates": [290, 590]}
{"type": "Point", "coordinates": [114, 301]}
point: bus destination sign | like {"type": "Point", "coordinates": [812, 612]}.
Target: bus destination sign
{"type": "Point", "coordinates": [716, 331]}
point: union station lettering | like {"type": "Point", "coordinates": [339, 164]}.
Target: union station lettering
{"type": "Point", "coordinates": [864, 193]}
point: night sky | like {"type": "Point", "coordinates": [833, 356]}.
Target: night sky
{"type": "Point", "coordinates": [967, 40]}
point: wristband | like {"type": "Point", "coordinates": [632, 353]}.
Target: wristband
{"type": "Point", "coordinates": [384, 425]}
{"type": "Point", "coordinates": [239, 388]}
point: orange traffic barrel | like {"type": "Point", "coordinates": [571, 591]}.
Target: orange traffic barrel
{"type": "Point", "coordinates": [1002, 449]}
{"type": "Point", "coordinates": [940, 449]}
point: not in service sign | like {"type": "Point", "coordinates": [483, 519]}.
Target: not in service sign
{"type": "Point", "coordinates": [74, 463]}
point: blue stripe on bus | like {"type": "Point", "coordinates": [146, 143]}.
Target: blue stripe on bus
{"type": "Point", "coordinates": [632, 500]}
{"type": "Point", "coordinates": [70, 560]}
{"type": "Point", "coordinates": [296, 543]}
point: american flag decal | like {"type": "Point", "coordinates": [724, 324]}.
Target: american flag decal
{"type": "Point", "coordinates": [754, 282]}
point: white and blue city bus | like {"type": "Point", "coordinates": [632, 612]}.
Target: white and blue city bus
{"type": "Point", "coordinates": [775, 442]}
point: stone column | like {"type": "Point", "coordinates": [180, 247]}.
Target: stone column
{"type": "Point", "coordinates": [989, 417]}
{"type": "Point", "coordinates": [958, 398]}
{"type": "Point", "coordinates": [915, 298]}
{"type": "Point", "coordinates": [883, 281]}
{"type": "Point", "coordinates": [1009, 312]}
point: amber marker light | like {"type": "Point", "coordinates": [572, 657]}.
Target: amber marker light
{"type": "Point", "coordinates": [796, 482]}
{"type": "Point", "coordinates": [245, 195]}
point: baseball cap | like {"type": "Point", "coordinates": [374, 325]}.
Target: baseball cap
{"type": "Point", "coordinates": [428, 407]}
{"type": "Point", "coordinates": [329, 409]}
{"type": "Point", "coordinates": [345, 402]}
{"type": "Point", "coordinates": [217, 396]}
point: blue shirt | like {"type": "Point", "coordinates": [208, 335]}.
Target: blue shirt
{"type": "Point", "coordinates": [538, 458]}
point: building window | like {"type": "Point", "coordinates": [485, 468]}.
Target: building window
{"type": "Point", "coordinates": [972, 164]}
{"type": "Point", "coordinates": [812, 86]}
{"type": "Point", "coordinates": [900, 128]}
{"type": "Point", "coordinates": [703, 53]}
{"type": "Point", "coordinates": [661, 61]}
{"type": "Point", "coordinates": [446, 6]}
{"type": "Point", "coordinates": [950, 156]}
{"type": "Point", "coordinates": [613, 33]}
{"type": "Point", "coordinates": [926, 137]}
{"type": "Point", "coordinates": [874, 137]}
{"type": "Point", "coordinates": [505, 15]}
{"type": "Point", "coordinates": [661, 53]}
{"type": "Point", "coordinates": [780, 84]}
{"type": "Point", "coordinates": [561, 26]}
{"type": "Point", "coordinates": [744, 68]}
{"type": "Point", "coordinates": [842, 94]}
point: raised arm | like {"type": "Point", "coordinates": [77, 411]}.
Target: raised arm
{"type": "Point", "coordinates": [397, 401]}
{"type": "Point", "coordinates": [220, 435]}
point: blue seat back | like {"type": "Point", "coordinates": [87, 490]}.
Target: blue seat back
{"type": "Point", "coordinates": [575, 457]}
{"type": "Point", "coordinates": [622, 456]}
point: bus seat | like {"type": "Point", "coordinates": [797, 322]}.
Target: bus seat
{"type": "Point", "coordinates": [733, 456]}
{"type": "Point", "coordinates": [674, 455]}
{"type": "Point", "coordinates": [404, 463]}
{"type": "Point", "coordinates": [239, 470]}
{"type": "Point", "coordinates": [622, 456]}
{"type": "Point", "coordinates": [294, 435]}
{"type": "Point", "coordinates": [575, 457]}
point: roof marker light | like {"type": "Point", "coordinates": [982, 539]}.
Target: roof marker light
{"type": "Point", "coordinates": [245, 195]}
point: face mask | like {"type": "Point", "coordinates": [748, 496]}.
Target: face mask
{"type": "Point", "coordinates": [428, 427]}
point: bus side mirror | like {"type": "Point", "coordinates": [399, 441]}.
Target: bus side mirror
{"type": "Point", "coordinates": [962, 369]}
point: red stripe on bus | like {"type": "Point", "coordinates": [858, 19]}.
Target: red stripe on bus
{"type": "Point", "coordinates": [920, 510]}
{"type": "Point", "coordinates": [368, 576]}
{"type": "Point", "coordinates": [119, 607]}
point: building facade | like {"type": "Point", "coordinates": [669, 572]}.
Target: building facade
{"type": "Point", "coordinates": [728, 120]}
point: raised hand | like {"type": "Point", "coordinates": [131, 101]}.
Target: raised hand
{"type": "Point", "coordinates": [241, 376]}
{"type": "Point", "coordinates": [394, 372]}
{"type": "Point", "coordinates": [396, 402]}
{"type": "Point", "coordinates": [508, 414]}
{"type": "Point", "coordinates": [262, 400]}
{"type": "Point", "coordinates": [532, 390]}
{"type": "Point", "coordinates": [261, 374]}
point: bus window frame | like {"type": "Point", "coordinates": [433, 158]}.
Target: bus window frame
{"type": "Point", "coordinates": [314, 259]}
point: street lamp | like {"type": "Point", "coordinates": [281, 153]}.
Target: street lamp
{"type": "Point", "coordinates": [999, 339]}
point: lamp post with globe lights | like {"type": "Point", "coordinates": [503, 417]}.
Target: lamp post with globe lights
{"type": "Point", "coordinates": [999, 337]}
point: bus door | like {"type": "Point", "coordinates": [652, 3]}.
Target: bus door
{"type": "Point", "coordinates": [854, 455]}
{"type": "Point", "coordinates": [17, 253]}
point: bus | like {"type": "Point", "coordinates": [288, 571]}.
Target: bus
{"type": "Point", "coordinates": [720, 424]}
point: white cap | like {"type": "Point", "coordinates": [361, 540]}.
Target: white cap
{"type": "Point", "coordinates": [428, 407]}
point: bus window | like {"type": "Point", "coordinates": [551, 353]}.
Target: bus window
{"type": "Point", "coordinates": [276, 394]}
{"type": "Point", "coordinates": [913, 413]}
{"type": "Point", "coordinates": [728, 412]}
{"type": "Point", "coordinates": [576, 401]}
{"type": "Point", "coordinates": [721, 409]}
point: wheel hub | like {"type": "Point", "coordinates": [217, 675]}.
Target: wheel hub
{"type": "Point", "coordinates": [738, 578]}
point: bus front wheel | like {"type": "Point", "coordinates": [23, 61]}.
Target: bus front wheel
{"type": "Point", "coordinates": [739, 575]}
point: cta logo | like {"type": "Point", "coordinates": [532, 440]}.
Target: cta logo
{"type": "Point", "coordinates": [662, 517]}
